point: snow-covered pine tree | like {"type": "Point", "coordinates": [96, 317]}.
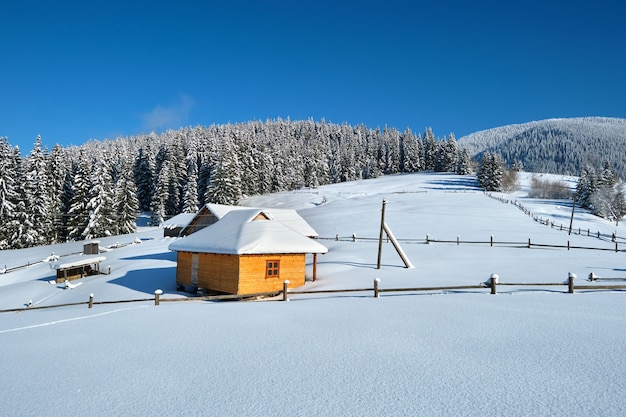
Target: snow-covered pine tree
{"type": "Point", "coordinates": [190, 190]}
{"type": "Point", "coordinates": [144, 177]}
{"type": "Point", "coordinates": [608, 176]}
{"type": "Point", "coordinates": [102, 217]}
{"type": "Point", "coordinates": [430, 150]}
{"type": "Point", "coordinates": [225, 183]}
{"type": "Point", "coordinates": [126, 202]}
{"type": "Point", "coordinates": [161, 194]}
{"type": "Point", "coordinates": [608, 202]}
{"type": "Point", "coordinates": [411, 159]}
{"type": "Point", "coordinates": [39, 204]}
{"type": "Point", "coordinates": [58, 167]}
{"type": "Point", "coordinates": [464, 163]}
{"type": "Point", "coordinates": [9, 195]}
{"type": "Point", "coordinates": [78, 213]}
{"type": "Point", "coordinates": [447, 155]}
{"type": "Point", "coordinates": [491, 172]}
{"type": "Point", "coordinates": [391, 150]}
{"type": "Point", "coordinates": [587, 185]}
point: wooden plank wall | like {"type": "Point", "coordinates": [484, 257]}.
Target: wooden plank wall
{"type": "Point", "coordinates": [252, 272]}
{"type": "Point", "coordinates": [244, 274]}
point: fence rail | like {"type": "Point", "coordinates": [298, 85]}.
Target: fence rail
{"type": "Point", "coordinates": [491, 242]}
{"type": "Point", "coordinates": [491, 284]}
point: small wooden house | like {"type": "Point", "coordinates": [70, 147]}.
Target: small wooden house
{"type": "Point", "coordinates": [246, 252]}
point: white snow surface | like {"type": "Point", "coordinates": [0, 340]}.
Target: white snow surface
{"type": "Point", "coordinates": [526, 351]}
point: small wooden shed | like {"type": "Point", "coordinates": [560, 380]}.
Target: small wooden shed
{"type": "Point", "coordinates": [174, 225]}
{"type": "Point", "coordinates": [75, 267]}
{"type": "Point", "coordinates": [246, 252]}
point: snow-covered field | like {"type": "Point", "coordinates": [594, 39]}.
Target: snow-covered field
{"type": "Point", "coordinates": [525, 351]}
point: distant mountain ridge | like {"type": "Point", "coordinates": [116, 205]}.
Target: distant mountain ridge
{"type": "Point", "coordinates": [559, 146]}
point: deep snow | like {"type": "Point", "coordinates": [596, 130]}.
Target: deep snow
{"type": "Point", "coordinates": [526, 351]}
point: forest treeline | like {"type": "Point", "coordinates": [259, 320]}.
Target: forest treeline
{"type": "Point", "coordinates": [557, 146]}
{"type": "Point", "coordinates": [97, 189]}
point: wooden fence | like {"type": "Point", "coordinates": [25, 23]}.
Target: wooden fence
{"type": "Point", "coordinates": [491, 285]}
{"type": "Point", "coordinates": [554, 225]}
{"type": "Point", "coordinates": [491, 242]}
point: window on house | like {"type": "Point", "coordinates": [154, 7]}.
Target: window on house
{"type": "Point", "coordinates": [271, 271]}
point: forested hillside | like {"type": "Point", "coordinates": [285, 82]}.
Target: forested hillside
{"type": "Point", "coordinates": [559, 146]}
{"type": "Point", "coordinates": [97, 189]}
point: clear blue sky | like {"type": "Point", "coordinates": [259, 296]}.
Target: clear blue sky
{"type": "Point", "coordinates": [89, 69]}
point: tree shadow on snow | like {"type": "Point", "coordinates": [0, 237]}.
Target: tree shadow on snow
{"type": "Point", "coordinates": [460, 184]}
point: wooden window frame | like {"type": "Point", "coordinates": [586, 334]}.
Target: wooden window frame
{"type": "Point", "coordinates": [272, 268]}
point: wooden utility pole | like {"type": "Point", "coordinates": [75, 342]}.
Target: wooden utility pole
{"type": "Point", "coordinates": [571, 220]}
{"type": "Point", "coordinates": [380, 237]}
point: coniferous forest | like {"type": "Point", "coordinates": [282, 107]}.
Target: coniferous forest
{"type": "Point", "coordinates": [97, 189]}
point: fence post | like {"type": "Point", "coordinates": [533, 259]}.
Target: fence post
{"type": "Point", "coordinates": [157, 297]}
{"type": "Point", "coordinates": [570, 282]}
{"type": "Point", "coordinates": [616, 250]}
{"type": "Point", "coordinates": [285, 289]}
{"type": "Point", "coordinates": [528, 243]}
{"type": "Point", "coordinates": [427, 240]}
{"type": "Point", "coordinates": [90, 300]}
{"type": "Point", "coordinates": [592, 276]}
{"type": "Point", "coordinates": [494, 283]}
{"type": "Point", "coordinates": [354, 237]}
{"type": "Point", "coordinates": [491, 241]}
{"type": "Point", "coordinates": [568, 245]}
{"type": "Point", "coordinates": [376, 282]}
{"type": "Point", "coordinates": [458, 239]}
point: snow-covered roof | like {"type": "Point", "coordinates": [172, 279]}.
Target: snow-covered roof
{"type": "Point", "coordinates": [220, 210]}
{"type": "Point", "coordinates": [180, 220]}
{"type": "Point", "coordinates": [288, 217]}
{"type": "Point", "coordinates": [76, 261]}
{"type": "Point", "coordinates": [239, 233]}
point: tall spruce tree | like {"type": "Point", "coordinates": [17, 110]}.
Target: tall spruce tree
{"type": "Point", "coordinates": [78, 213]}
{"type": "Point", "coordinates": [38, 197]}
{"type": "Point", "coordinates": [491, 172]}
{"type": "Point", "coordinates": [9, 195]}
{"type": "Point", "coordinates": [126, 203]}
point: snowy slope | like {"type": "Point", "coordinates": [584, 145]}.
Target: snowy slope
{"type": "Point", "coordinates": [525, 351]}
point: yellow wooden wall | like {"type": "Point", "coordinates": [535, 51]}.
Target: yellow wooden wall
{"type": "Point", "coordinates": [243, 274]}
{"type": "Point", "coordinates": [252, 272]}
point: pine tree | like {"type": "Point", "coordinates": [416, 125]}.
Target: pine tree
{"type": "Point", "coordinates": [608, 202]}
{"type": "Point", "coordinates": [39, 203]}
{"type": "Point", "coordinates": [430, 150]}
{"type": "Point", "coordinates": [410, 152]}
{"type": "Point", "coordinates": [190, 190]}
{"type": "Point", "coordinates": [126, 203]}
{"type": "Point", "coordinates": [586, 187]}
{"type": "Point", "coordinates": [9, 195]}
{"type": "Point", "coordinates": [78, 213]}
{"type": "Point", "coordinates": [491, 172]}
{"type": "Point", "coordinates": [144, 177]}
{"type": "Point", "coordinates": [161, 194]}
{"type": "Point", "coordinates": [225, 183]}
{"type": "Point", "coordinates": [464, 163]}
{"type": "Point", "coordinates": [102, 219]}
{"type": "Point", "coordinates": [447, 155]}
{"type": "Point", "coordinates": [57, 174]}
